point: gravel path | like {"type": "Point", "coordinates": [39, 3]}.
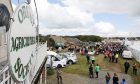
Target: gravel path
{"type": "Point", "coordinates": [77, 79]}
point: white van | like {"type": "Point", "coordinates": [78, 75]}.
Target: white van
{"type": "Point", "coordinates": [127, 54]}
{"type": "Point", "coordinates": [54, 61]}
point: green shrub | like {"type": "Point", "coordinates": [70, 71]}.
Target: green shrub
{"type": "Point", "coordinates": [50, 71]}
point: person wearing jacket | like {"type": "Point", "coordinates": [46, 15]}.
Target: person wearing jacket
{"type": "Point", "coordinates": [97, 69]}
{"type": "Point", "coordinates": [107, 77]}
{"type": "Point", "coordinates": [92, 59]}
{"type": "Point", "coordinates": [123, 81]}
{"type": "Point", "coordinates": [59, 76]}
{"type": "Point", "coordinates": [91, 75]}
{"type": "Point", "coordinates": [110, 56]}
{"type": "Point", "coordinates": [115, 79]}
{"type": "Point", "coordinates": [126, 66]}
{"type": "Point", "coordinates": [134, 69]}
{"type": "Point", "coordinates": [116, 57]}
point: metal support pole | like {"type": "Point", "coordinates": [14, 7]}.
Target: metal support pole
{"type": "Point", "coordinates": [37, 22]}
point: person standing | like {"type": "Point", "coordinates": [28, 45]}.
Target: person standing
{"type": "Point", "coordinates": [93, 59]}
{"type": "Point", "coordinates": [116, 57]}
{"type": "Point", "coordinates": [59, 76]}
{"type": "Point", "coordinates": [110, 56]}
{"type": "Point", "coordinates": [113, 58]}
{"type": "Point", "coordinates": [115, 79]}
{"type": "Point", "coordinates": [107, 77]}
{"type": "Point", "coordinates": [134, 69]}
{"type": "Point", "coordinates": [86, 51]}
{"type": "Point", "coordinates": [97, 69]}
{"type": "Point", "coordinates": [91, 71]}
{"type": "Point", "coordinates": [106, 54]}
{"type": "Point", "coordinates": [126, 66]}
{"type": "Point", "coordinates": [123, 81]}
{"type": "Point", "coordinates": [82, 51]}
{"type": "Point", "coordinates": [88, 58]}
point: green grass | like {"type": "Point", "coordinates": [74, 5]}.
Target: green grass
{"type": "Point", "coordinates": [50, 71]}
{"type": "Point", "coordinates": [80, 67]}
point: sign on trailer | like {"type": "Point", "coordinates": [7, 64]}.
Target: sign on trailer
{"type": "Point", "coordinates": [22, 43]}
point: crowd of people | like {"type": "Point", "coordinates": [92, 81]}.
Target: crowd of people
{"type": "Point", "coordinates": [111, 52]}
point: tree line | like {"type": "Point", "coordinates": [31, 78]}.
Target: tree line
{"type": "Point", "coordinates": [83, 38]}
{"type": "Point", "coordinates": [88, 38]}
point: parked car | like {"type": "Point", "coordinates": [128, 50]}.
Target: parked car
{"type": "Point", "coordinates": [127, 54]}
{"type": "Point", "coordinates": [62, 56]}
{"type": "Point", "coordinates": [54, 61]}
{"type": "Point", "coordinates": [71, 57]}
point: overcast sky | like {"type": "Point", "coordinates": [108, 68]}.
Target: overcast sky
{"type": "Point", "coordinates": [88, 17]}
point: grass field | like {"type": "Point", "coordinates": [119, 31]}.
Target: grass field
{"type": "Point", "coordinates": [81, 68]}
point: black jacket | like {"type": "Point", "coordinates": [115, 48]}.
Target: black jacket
{"type": "Point", "coordinates": [126, 64]}
{"type": "Point", "coordinates": [115, 80]}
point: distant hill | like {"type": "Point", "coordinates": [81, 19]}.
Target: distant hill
{"type": "Point", "coordinates": [87, 38]}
